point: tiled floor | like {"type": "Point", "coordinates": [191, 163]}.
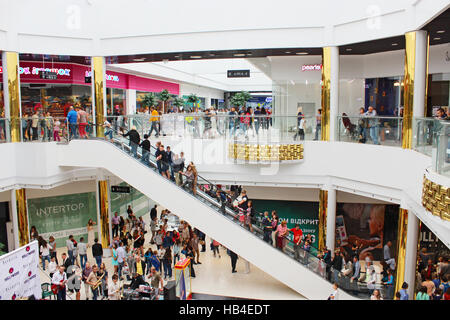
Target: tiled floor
{"type": "Point", "coordinates": [214, 277]}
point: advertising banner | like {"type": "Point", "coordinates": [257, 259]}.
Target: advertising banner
{"type": "Point", "coordinates": [62, 216]}
{"type": "Point", "coordinates": [19, 273]}
{"type": "Point", "coordinates": [366, 226]}
{"type": "Point", "coordinates": [306, 214]}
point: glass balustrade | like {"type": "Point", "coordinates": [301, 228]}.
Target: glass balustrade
{"type": "Point", "coordinates": [441, 157]}
{"type": "Point", "coordinates": [425, 133]}
{"type": "Point", "coordinates": [385, 131]}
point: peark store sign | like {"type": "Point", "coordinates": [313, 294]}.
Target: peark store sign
{"type": "Point", "coordinates": [311, 67]}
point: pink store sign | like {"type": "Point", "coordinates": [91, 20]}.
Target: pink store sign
{"type": "Point", "coordinates": [76, 74]}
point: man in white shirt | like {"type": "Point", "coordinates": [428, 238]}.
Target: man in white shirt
{"type": "Point", "coordinates": [70, 247]}
{"type": "Point", "coordinates": [59, 279]}
{"type": "Point", "coordinates": [82, 251]}
{"type": "Point", "coordinates": [121, 256]}
{"type": "Point", "coordinates": [52, 267]}
{"type": "Point", "coordinates": [114, 288]}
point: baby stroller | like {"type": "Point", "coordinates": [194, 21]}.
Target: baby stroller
{"type": "Point", "coordinates": [350, 128]}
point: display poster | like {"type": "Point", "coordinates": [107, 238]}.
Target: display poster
{"type": "Point", "coordinates": [368, 226]}
{"type": "Point", "coordinates": [138, 201]}
{"type": "Point", "coordinates": [306, 214]}
{"type": "Point", "coordinates": [62, 216]}
{"type": "Point", "coordinates": [19, 273]}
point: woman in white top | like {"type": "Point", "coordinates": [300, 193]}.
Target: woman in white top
{"type": "Point", "coordinates": [91, 232]}
{"type": "Point", "coordinates": [45, 253]}
{"type": "Point", "coordinates": [376, 295]}
{"type": "Point", "coordinates": [372, 279]}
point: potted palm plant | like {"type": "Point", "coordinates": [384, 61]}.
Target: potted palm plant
{"type": "Point", "coordinates": [178, 102]}
{"type": "Point", "coordinates": [192, 98]}
{"type": "Point", "coordinates": [164, 96]}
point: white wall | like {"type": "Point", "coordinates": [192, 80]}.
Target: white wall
{"type": "Point", "coordinates": [187, 89]}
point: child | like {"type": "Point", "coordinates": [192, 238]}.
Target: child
{"type": "Point", "coordinates": [56, 130]}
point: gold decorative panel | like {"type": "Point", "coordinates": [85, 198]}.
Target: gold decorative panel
{"type": "Point", "coordinates": [436, 199]}
{"type": "Point", "coordinates": [265, 153]}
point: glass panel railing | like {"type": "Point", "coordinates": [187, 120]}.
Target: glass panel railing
{"type": "Point", "coordinates": [374, 130]}
{"type": "Point", "coordinates": [441, 158]}
{"type": "Point", "coordinates": [256, 128]}
{"type": "Point", "coordinates": [222, 203]}
{"type": "Point", "coordinates": [4, 130]}
{"type": "Point", "coordinates": [425, 132]}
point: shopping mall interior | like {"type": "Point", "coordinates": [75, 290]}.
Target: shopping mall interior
{"type": "Point", "coordinates": [200, 147]}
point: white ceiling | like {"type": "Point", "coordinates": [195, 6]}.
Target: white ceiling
{"type": "Point", "coordinates": [208, 73]}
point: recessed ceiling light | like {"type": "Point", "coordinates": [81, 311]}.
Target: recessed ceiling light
{"type": "Point", "coordinates": [301, 53]}
{"type": "Point", "coordinates": [139, 59]}
{"type": "Point", "coordinates": [239, 54]}
{"type": "Point", "coordinates": [437, 38]}
{"type": "Point", "coordinates": [196, 57]}
{"type": "Point", "coordinates": [287, 52]}
{"type": "Point", "coordinates": [349, 49]}
{"type": "Point", "coordinates": [395, 44]}
{"type": "Point", "coordinates": [440, 31]}
{"type": "Point", "coordinates": [176, 56]}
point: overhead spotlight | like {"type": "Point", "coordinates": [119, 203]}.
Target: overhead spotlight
{"type": "Point", "coordinates": [349, 49]}
{"type": "Point", "coordinates": [196, 57]}
{"type": "Point", "coordinates": [301, 53]}
{"type": "Point", "coordinates": [395, 44]}
{"type": "Point", "coordinates": [139, 59]}
{"type": "Point", "coordinates": [287, 52]}
{"type": "Point", "coordinates": [176, 56]}
{"type": "Point", "coordinates": [437, 38]}
{"type": "Point", "coordinates": [239, 54]}
{"type": "Point", "coordinates": [440, 31]}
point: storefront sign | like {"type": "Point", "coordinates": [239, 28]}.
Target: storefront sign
{"type": "Point", "coordinates": [238, 73]}
{"type": "Point", "coordinates": [62, 216]}
{"type": "Point", "coordinates": [108, 77]}
{"type": "Point", "coordinates": [311, 67]}
{"type": "Point", "coordinates": [48, 75]}
{"type": "Point", "coordinates": [120, 189]}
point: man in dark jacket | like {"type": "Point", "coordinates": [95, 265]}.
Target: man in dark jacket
{"type": "Point", "coordinates": [145, 145]}
{"type": "Point", "coordinates": [97, 252]}
{"type": "Point", "coordinates": [233, 257]}
{"type": "Point", "coordinates": [135, 139]}
{"type": "Point", "coordinates": [337, 265]}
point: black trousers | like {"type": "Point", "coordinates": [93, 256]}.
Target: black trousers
{"type": "Point", "coordinates": [233, 262]}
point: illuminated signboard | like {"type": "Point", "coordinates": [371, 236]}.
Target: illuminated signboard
{"type": "Point", "coordinates": [37, 71]}
{"type": "Point", "coordinates": [108, 77]}
{"type": "Point", "coordinates": [238, 73]}
{"type": "Point", "coordinates": [311, 67]}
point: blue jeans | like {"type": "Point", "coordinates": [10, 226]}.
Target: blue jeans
{"type": "Point", "coordinates": [73, 131]}
{"type": "Point", "coordinates": [154, 126]}
{"type": "Point", "coordinates": [167, 268]}
{"type": "Point", "coordinates": [83, 260]}
{"type": "Point", "coordinates": [232, 129]}
{"type": "Point", "coordinates": [134, 149]}
{"type": "Point", "coordinates": [70, 254]}
{"type": "Point", "coordinates": [43, 261]}
{"type": "Point", "coordinates": [61, 295]}
{"type": "Point", "coordinates": [318, 129]}
{"type": "Point", "coordinates": [108, 132]}
{"type": "Point", "coordinates": [94, 294]}
{"type": "Point", "coordinates": [98, 260]}
{"type": "Point", "coordinates": [145, 157]}
{"type": "Point", "coordinates": [374, 134]}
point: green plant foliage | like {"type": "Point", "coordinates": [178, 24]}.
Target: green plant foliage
{"type": "Point", "coordinates": [149, 100]}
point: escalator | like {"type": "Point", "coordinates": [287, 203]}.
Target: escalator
{"type": "Point", "coordinates": [304, 273]}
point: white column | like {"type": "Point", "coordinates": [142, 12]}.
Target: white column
{"type": "Point", "coordinates": [131, 101]}
{"type": "Point", "coordinates": [207, 102]}
{"type": "Point", "coordinates": [331, 218]}
{"type": "Point", "coordinates": [334, 92]}
{"type": "Point", "coordinates": [412, 238]}
{"type": "Point", "coordinates": [420, 78]}
{"type": "Point", "coordinates": [13, 215]}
